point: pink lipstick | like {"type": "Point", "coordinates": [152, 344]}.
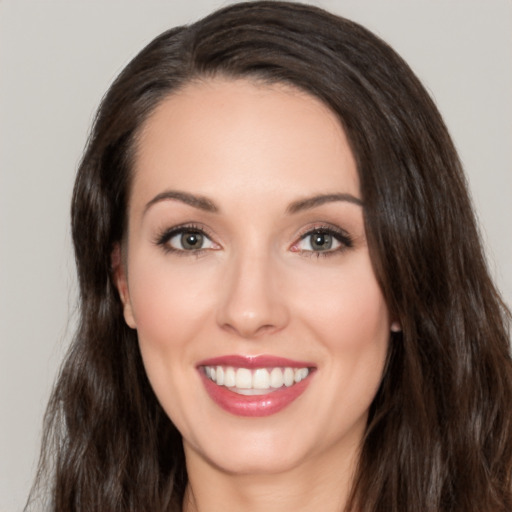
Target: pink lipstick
{"type": "Point", "coordinates": [254, 385]}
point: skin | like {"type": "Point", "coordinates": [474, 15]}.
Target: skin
{"type": "Point", "coordinates": [255, 288]}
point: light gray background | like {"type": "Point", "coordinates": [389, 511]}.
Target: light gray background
{"type": "Point", "coordinates": [57, 58]}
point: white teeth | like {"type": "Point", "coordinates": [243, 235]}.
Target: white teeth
{"type": "Point", "coordinates": [260, 379]}
{"type": "Point", "coordinates": [276, 378]}
{"type": "Point", "coordinates": [288, 377]}
{"type": "Point", "coordinates": [229, 377]}
{"type": "Point", "coordinates": [301, 374]}
{"type": "Point", "coordinates": [243, 378]}
{"type": "Point", "coordinates": [249, 392]}
{"type": "Point", "coordinates": [252, 382]}
{"type": "Point", "coordinates": [220, 375]}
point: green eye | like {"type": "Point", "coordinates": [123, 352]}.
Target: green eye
{"type": "Point", "coordinates": [321, 241]}
{"type": "Point", "coordinates": [185, 240]}
{"type": "Point", "coordinates": [318, 241]}
{"type": "Point", "coordinates": [189, 241]}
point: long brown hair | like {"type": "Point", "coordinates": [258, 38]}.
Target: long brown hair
{"type": "Point", "coordinates": [439, 434]}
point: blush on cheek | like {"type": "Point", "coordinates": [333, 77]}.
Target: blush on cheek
{"type": "Point", "coordinates": [168, 297]}
{"type": "Point", "coordinates": [350, 310]}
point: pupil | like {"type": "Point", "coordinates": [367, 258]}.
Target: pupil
{"type": "Point", "coordinates": [321, 241]}
{"type": "Point", "coordinates": [191, 240]}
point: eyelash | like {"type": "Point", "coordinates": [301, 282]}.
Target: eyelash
{"type": "Point", "coordinates": [163, 238]}
{"type": "Point", "coordinates": [341, 236]}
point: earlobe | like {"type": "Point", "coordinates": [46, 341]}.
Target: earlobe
{"type": "Point", "coordinates": [121, 283]}
{"type": "Point", "coordinates": [396, 326]}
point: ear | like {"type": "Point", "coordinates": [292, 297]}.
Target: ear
{"type": "Point", "coordinates": [121, 283]}
{"type": "Point", "coordinates": [396, 326]}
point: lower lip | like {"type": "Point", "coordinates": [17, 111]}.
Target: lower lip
{"type": "Point", "coordinates": [254, 405]}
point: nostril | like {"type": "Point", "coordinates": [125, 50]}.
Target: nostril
{"type": "Point", "coordinates": [246, 330]}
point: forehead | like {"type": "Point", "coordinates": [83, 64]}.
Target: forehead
{"type": "Point", "coordinates": [245, 138]}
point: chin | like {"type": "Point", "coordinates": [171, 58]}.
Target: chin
{"type": "Point", "coordinates": [250, 460]}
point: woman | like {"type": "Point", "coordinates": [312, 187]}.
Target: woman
{"type": "Point", "coordinates": [284, 300]}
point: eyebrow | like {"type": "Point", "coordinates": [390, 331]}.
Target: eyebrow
{"type": "Point", "coordinates": [200, 202]}
{"type": "Point", "coordinates": [205, 204]}
{"type": "Point", "coordinates": [313, 202]}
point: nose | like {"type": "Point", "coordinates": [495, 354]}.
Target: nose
{"type": "Point", "coordinates": [253, 301]}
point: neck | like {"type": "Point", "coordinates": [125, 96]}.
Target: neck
{"type": "Point", "coordinates": [310, 487]}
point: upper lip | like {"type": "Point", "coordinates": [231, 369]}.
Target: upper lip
{"type": "Point", "coordinates": [259, 361]}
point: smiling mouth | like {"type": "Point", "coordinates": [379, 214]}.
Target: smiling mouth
{"type": "Point", "coordinates": [255, 381]}
{"type": "Point", "coordinates": [255, 386]}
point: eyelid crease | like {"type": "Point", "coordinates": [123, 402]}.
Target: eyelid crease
{"type": "Point", "coordinates": [343, 237]}
{"type": "Point", "coordinates": [163, 236]}
{"type": "Point", "coordinates": [325, 227]}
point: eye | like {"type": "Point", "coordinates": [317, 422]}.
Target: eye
{"type": "Point", "coordinates": [190, 241]}
{"type": "Point", "coordinates": [323, 240]}
{"type": "Point", "coordinates": [318, 241]}
{"type": "Point", "coordinates": [185, 239]}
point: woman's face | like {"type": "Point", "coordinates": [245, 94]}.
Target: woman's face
{"type": "Point", "coordinates": [262, 327]}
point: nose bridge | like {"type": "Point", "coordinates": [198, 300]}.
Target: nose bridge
{"type": "Point", "coordinates": [252, 302]}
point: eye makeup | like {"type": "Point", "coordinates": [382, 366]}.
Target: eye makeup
{"type": "Point", "coordinates": [320, 240]}
{"type": "Point", "coordinates": [193, 239]}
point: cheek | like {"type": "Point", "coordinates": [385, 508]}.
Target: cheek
{"type": "Point", "coordinates": [170, 306]}
{"type": "Point", "coordinates": [346, 313]}
{"type": "Point", "coordinates": [346, 307]}
{"type": "Point", "coordinates": [169, 302]}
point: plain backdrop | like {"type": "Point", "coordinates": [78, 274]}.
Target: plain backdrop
{"type": "Point", "coordinates": [57, 59]}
